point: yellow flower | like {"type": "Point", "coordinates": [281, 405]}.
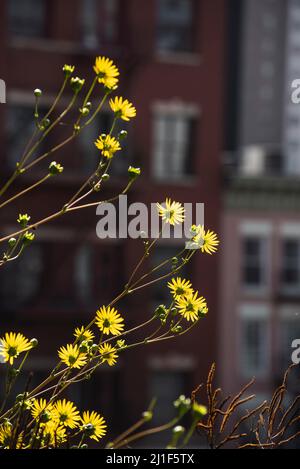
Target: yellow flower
{"type": "Point", "coordinates": [199, 410]}
{"type": "Point", "coordinates": [191, 307]}
{"type": "Point", "coordinates": [180, 287]}
{"type": "Point", "coordinates": [41, 409]}
{"type": "Point", "coordinates": [71, 356]}
{"type": "Point", "coordinates": [108, 354]}
{"type": "Point", "coordinates": [122, 108]}
{"type": "Point", "coordinates": [172, 212]}
{"type": "Point", "coordinates": [12, 345]}
{"type": "Point", "coordinates": [107, 72]}
{"type": "Point", "coordinates": [109, 321]}
{"type": "Point", "coordinates": [53, 433]}
{"type": "Point", "coordinates": [65, 413]}
{"type": "Point", "coordinates": [108, 145]}
{"type": "Point", "coordinates": [6, 430]}
{"type": "Point", "coordinates": [94, 425]}
{"type": "Point", "coordinates": [82, 334]}
{"type": "Point", "coordinates": [207, 241]}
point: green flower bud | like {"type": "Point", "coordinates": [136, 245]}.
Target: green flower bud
{"type": "Point", "coordinates": [37, 93]}
{"type": "Point", "coordinates": [176, 330]}
{"type": "Point", "coordinates": [94, 348]}
{"type": "Point", "coordinates": [83, 348]}
{"type": "Point", "coordinates": [68, 70]}
{"type": "Point", "coordinates": [160, 311]}
{"type": "Point", "coordinates": [23, 219]}
{"type": "Point", "coordinates": [105, 177]}
{"type": "Point", "coordinates": [28, 237]}
{"type": "Point", "coordinates": [84, 111]}
{"type": "Point", "coordinates": [34, 342]}
{"type": "Point", "coordinates": [147, 415]}
{"type": "Point", "coordinates": [77, 84]}
{"type": "Point", "coordinates": [12, 242]}
{"type": "Point", "coordinates": [134, 172]}
{"type": "Point", "coordinates": [123, 134]}
{"type": "Point", "coordinates": [182, 404]}
{"type": "Point", "coordinates": [84, 446]}
{"type": "Point", "coordinates": [55, 168]}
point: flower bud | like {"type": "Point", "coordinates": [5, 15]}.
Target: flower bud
{"type": "Point", "coordinates": [12, 242]}
{"type": "Point", "coordinates": [55, 168]}
{"type": "Point", "coordinates": [134, 172]}
{"type": "Point", "coordinates": [34, 342]}
{"type": "Point", "coordinates": [147, 415]}
{"type": "Point", "coordinates": [123, 134]}
{"type": "Point", "coordinates": [28, 237]}
{"type": "Point", "coordinates": [105, 177]}
{"type": "Point", "coordinates": [76, 84]}
{"type": "Point", "coordinates": [68, 70]}
{"type": "Point", "coordinates": [37, 93]}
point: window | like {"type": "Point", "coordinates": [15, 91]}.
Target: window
{"type": "Point", "coordinates": [27, 18]}
{"type": "Point", "coordinates": [254, 340]}
{"type": "Point", "coordinates": [20, 127]}
{"type": "Point", "coordinates": [290, 273]}
{"type": "Point", "coordinates": [21, 281]}
{"type": "Point", "coordinates": [99, 22]}
{"type": "Point", "coordinates": [174, 135]}
{"type": "Point", "coordinates": [253, 261]}
{"type": "Point", "coordinates": [175, 26]}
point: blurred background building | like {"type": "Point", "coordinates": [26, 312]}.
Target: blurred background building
{"type": "Point", "coordinates": [260, 301]}
{"type": "Point", "coordinates": [171, 54]}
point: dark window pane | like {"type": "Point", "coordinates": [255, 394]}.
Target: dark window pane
{"type": "Point", "coordinates": [291, 263]}
{"type": "Point", "coordinates": [175, 25]}
{"type": "Point", "coordinates": [27, 17]}
{"type": "Point", "coordinates": [253, 261]}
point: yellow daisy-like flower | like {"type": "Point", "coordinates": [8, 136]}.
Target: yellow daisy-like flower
{"type": "Point", "coordinates": [12, 345]}
{"type": "Point", "coordinates": [53, 433]}
{"type": "Point", "coordinates": [82, 334]}
{"type": "Point", "coordinates": [65, 413]}
{"type": "Point", "coordinates": [191, 307]}
{"type": "Point", "coordinates": [180, 287]}
{"type": "Point", "coordinates": [71, 356]}
{"type": "Point", "coordinates": [108, 145]}
{"type": "Point", "coordinates": [108, 354]}
{"type": "Point", "coordinates": [6, 430]}
{"type": "Point", "coordinates": [172, 212]}
{"type": "Point", "coordinates": [93, 425]}
{"type": "Point", "coordinates": [109, 321]}
{"type": "Point", "coordinates": [107, 72]}
{"type": "Point", "coordinates": [207, 241]}
{"type": "Point", "coordinates": [122, 108]}
{"type": "Point", "coordinates": [41, 409]}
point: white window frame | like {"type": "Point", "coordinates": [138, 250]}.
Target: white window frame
{"type": "Point", "coordinates": [254, 312]}
{"type": "Point", "coordinates": [261, 230]}
{"type": "Point", "coordinates": [183, 112]}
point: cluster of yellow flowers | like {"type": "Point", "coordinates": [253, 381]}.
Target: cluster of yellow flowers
{"type": "Point", "coordinates": [188, 302]}
{"type": "Point", "coordinates": [107, 74]}
{"type": "Point", "coordinates": [78, 354]}
{"type": "Point", "coordinates": [53, 420]}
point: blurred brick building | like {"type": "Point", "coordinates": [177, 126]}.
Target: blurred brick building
{"type": "Point", "coordinates": [170, 54]}
{"type": "Point", "coordinates": [260, 298]}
